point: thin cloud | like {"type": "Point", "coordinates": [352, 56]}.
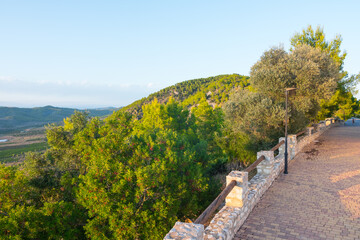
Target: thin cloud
{"type": "Point", "coordinates": [7, 79]}
{"type": "Point", "coordinates": [14, 92]}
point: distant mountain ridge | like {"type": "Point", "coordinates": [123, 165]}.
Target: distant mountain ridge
{"type": "Point", "coordinates": [215, 89]}
{"type": "Point", "coordinates": [13, 118]}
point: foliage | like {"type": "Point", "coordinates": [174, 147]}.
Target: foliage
{"type": "Point", "coordinates": [316, 39]}
{"type": "Point", "coordinates": [13, 153]}
{"type": "Point", "coordinates": [209, 123]}
{"type": "Point", "coordinates": [62, 141]}
{"type": "Point", "coordinates": [144, 175]}
{"type": "Point", "coordinates": [312, 72]}
{"type": "Point", "coordinates": [13, 189]}
{"type": "Point", "coordinates": [21, 216]}
{"type": "Point", "coordinates": [215, 89]}
{"type": "Point", "coordinates": [238, 147]}
{"type": "Point", "coordinates": [256, 116]}
{"type": "Point", "coordinates": [342, 103]}
{"type": "Point", "coordinates": [49, 209]}
{"type": "Point", "coordinates": [259, 111]}
{"type": "Point", "coordinates": [117, 178]}
{"type": "Point", "coordinates": [349, 83]}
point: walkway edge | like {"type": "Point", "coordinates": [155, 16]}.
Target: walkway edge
{"type": "Point", "coordinates": [229, 219]}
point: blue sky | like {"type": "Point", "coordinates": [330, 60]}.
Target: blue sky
{"type": "Point", "coordinates": [111, 53]}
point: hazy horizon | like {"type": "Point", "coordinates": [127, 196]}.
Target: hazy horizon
{"type": "Point", "coordinates": [79, 108]}
{"type": "Point", "coordinates": [89, 54]}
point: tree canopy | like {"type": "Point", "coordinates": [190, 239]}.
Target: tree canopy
{"type": "Point", "coordinates": [311, 71]}
{"type": "Point", "coordinates": [346, 87]}
{"type": "Point", "coordinates": [316, 39]}
{"type": "Point", "coordinates": [215, 90]}
{"type": "Point", "coordinates": [118, 178]}
{"type": "Point", "coordinates": [255, 116]}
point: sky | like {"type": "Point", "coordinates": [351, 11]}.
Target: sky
{"type": "Point", "coordinates": [89, 54]}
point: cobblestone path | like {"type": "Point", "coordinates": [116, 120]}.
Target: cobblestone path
{"type": "Point", "coordinates": [319, 198]}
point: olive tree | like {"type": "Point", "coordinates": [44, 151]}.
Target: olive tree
{"type": "Point", "coordinates": [255, 115]}
{"type": "Point", "coordinates": [313, 72]}
{"type": "Point", "coordinates": [316, 39]}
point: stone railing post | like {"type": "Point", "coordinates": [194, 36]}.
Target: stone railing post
{"type": "Point", "coordinates": [310, 130]}
{"type": "Point", "coordinates": [282, 147]}
{"type": "Point", "coordinates": [320, 126]}
{"type": "Point", "coordinates": [239, 195]}
{"type": "Point", "coordinates": [189, 231]}
{"type": "Point", "coordinates": [292, 146]}
{"type": "Point", "coordinates": [267, 165]}
{"type": "Point", "coordinates": [327, 121]}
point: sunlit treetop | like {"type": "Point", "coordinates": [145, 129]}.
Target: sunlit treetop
{"type": "Point", "coordinates": [316, 38]}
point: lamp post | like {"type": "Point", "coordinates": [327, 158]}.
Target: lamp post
{"type": "Point", "coordinates": [288, 91]}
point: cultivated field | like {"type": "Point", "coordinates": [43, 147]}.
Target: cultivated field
{"type": "Point", "coordinates": [13, 151]}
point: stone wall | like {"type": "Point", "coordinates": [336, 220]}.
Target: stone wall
{"type": "Point", "coordinates": [246, 194]}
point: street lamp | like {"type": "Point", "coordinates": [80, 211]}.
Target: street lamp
{"type": "Point", "coordinates": [288, 92]}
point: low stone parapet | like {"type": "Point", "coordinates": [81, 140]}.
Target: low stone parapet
{"type": "Point", "coordinates": [311, 136]}
{"type": "Point", "coordinates": [228, 220]}
{"type": "Point", "coordinates": [246, 194]}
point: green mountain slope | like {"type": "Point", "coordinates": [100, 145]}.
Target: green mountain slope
{"type": "Point", "coordinates": [215, 89]}
{"type": "Point", "coordinates": [12, 118]}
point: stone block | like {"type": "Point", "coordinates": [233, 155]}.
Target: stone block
{"type": "Point", "coordinates": [282, 147]}
{"type": "Point", "coordinates": [189, 231]}
{"type": "Point", "coordinates": [266, 166]}
{"type": "Point", "coordinates": [292, 146]}
{"type": "Point", "coordinates": [310, 131]}
{"type": "Point", "coordinates": [239, 194]}
{"type": "Point", "coordinates": [321, 126]}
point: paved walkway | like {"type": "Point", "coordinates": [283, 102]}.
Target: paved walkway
{"type": "Point", "coordinates": [319, 198]}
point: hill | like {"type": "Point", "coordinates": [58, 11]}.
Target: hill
{"type": "Point", "coordinates": [12, 118]}
{"type": "Point", "coordinates": [215, 89]}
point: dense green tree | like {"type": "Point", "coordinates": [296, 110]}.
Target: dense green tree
{"type": "Point", "coordinates": [342, 105]}
{"type": "Point", "coordinates": [49, 209]}
{"type": "Point", "coordinates": [342, 102]}
{"type": "Point", "coordinates": [14, 189]}
{"type": "Point", "coordinates": [255, 115]}
{"type": "Point", "coordinates": [142, 176]}
{"type": "Point", "coordinates": [316, 39]}
{"type": "Point", "coordinates": [118, 178]}
{"type": "Point", "coordinates": [209, 122]}
{"type": "Point", "coordinates": [22, 216]}
{"type": "Point", "coordinates": [311, 71]}
{"type": "Point", "coordinates": [215, 89]}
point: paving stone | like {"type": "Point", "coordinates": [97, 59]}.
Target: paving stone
{"type": "Point", "coordinates": [318, 199]}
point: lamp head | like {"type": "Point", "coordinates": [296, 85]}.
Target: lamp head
{"type": "Point", "coordinates": [290, 91]}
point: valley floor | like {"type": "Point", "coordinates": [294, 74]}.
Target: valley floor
{"type": "Point", "coordinates": [13, 150]}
